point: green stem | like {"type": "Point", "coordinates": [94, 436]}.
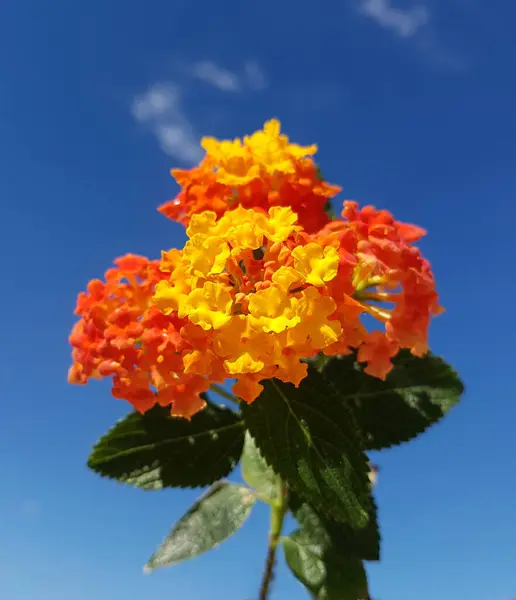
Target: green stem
{"type": "Point", "coordinates": [218, 389]}
{"type": "Point", "coordinates": [278, 512]}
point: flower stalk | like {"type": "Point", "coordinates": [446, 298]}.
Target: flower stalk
{"type": "Point", "coordinates": [278, 512]}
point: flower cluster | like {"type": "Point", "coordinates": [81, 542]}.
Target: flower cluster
{"type": "Point", "coordinates": [263, 295]}
{"type": "Point", "coordinates": [254, 289]}
{"type": "Point", "coordinates": [264, 282]}
{"type": "Point", "coordinates": [121, 334]}
{"type": "Point", "coordinates": [388, 278]}
{"type": "Point", "coordinates": [260, 171]}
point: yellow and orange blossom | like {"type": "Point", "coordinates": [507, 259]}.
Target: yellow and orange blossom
{"type": "Point", "coordinates": [263, 295]}
{"type": "Point", "coordinates": [264, 282]}
{"type": "Point", "coordinates": [260, 171]}
{"type": "Point", "coordinates": [121, 334]}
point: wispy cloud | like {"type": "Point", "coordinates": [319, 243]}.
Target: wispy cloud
{"type": "Point", "coordinates": [402, 22]}
{"type": "Point", "coordinates": [255, 76]}
{"type": "Point", "coordinates": [218, 77]}
{"type": "Point", "coordinates": [160, 109]}
{"type": "Point", "coordinates": [252, 76]}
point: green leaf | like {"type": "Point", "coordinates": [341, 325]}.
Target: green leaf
{"type": "Point", "coordinates": [344, 580]}
{"type": "Point", "coordinates": [305, 560]}
{"type": "Point", "coordinates": [328, 576]}
{"type": "Point", "coordinates": [154, 450]}
{"type": "Point", "coordinates": [212, 519]}
{"type": "Point", "coordinates": [363, 543]}
{"type": "Point", "coordinates": [310, 440]}
{"type": "Point", "coordinates": [417, 393]}
{"type": "Point", "coordinates": [256, 472]}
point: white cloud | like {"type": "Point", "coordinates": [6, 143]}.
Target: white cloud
{"type": "Point", "coordinates": [252, 77]}
{"type": "Point", "coordinates": [402, 22]}
{"type": "Point", "coordinates": [218, 77]}
{"type": "Point", "coordinates": [255, 76]}
{"type": "Point", "coordinates": [160, 108]}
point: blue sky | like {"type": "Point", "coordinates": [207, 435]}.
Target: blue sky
{"type": "Point", "coordinates": [412, 104]}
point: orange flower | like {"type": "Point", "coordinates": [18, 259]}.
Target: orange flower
{"type": "Point", "coordinates": [120, 334]}
{"type": "Point", "coordinates": [261, 170]}
{"type": "Point", "coordinates": [390, 281]}
{"type": "Point", "coordinates": [377, 350]}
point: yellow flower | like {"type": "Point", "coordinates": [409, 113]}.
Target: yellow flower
{"type": "Point", "coordinates": [222, 150]}
{"type": "Point", "coordinates": [170, 260]}
{"type": "Point", "coordinates": [209, 306]}
{"type": "Point", "coordinates": [317, 266]}
{"type": "Point", "coordinates": [235, 162]}
{"type": "Point", "coordinates": [168, 298]}
{"type": "Point", "coordinates": [273, 151]}
{"type": "Point", "coordinates": [285, 277]}
{"type": "Point", "coordinates": [206, 254]}
{"type": "Point", "coordinates": [281, 223]}
{"type": "Point", "coordinates": [201, 223]}
{"type": "Point", "coordinates": [271, 310]}
{"type": "Point", "coordinates": [243, 228]}
{"type": "Point", "coordinates": [314, 310]}
{"type": "Point", "coordinates": [230, 337]}
{"type": "Point", "coordinates": [243, 364]}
